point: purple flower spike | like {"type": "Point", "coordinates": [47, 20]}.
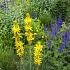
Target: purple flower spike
{"type": "Point", "coordinates": [53, 30]}
{"type": "Point", "coordinates": [61, 48]}
{"type": "Point", "coordinates": [68, 35]}
{"type": "Point", "coordinates": [56, 27]}
{"type": "Point", "coordinates": [53, 33]}
{"type": "Point", "coordinates": [59, 22]}
{"type": "Point", "coordinates": [64, 42]}
{"type": "Point", "coordinates": [45, 28]}
{"type": "Point", "coordinates": [65, 37]}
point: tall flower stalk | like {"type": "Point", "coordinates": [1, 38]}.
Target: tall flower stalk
{"type": "Point", "coordinates": [65, 39]}
{"type": "Point", "coordinates": [56, 28]}
{"type": "Point", "coordinates": [28, 33]}
{"type": "Point", "coordinates": [38, 54]}
{"type": "Point", "coordinates": [18, 43]}
{"type": "Point", "coordinates": [28, 28]}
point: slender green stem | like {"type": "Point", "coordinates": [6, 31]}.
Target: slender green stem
{"type": "Point", "coordinates": [37, 67]}
{"type": "Point", "coordinates": [30, 56]}
{"type": "Point", "coordinates": [21, 64]}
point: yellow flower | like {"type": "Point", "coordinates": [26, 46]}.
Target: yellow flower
{"type": "Point", "coordinates": [15, 27]}
{"type": "Point", "coordinates": [28, 28]}
{"type": "Point", "coordinates": [19, 48]}
{"type": "Point", "coordinates": [27, 20]}
{"type": "Point", "coordinates": [17, 36]}
{"type": "Point", "coordinates": [38, 53]}
{"type": "Point", "coordinates": [29, 36]}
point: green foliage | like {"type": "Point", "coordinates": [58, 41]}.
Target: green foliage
{"type": "Point", "coordinates": [60, 9]}
{"type": "Point", "coordinates": [7, 59]}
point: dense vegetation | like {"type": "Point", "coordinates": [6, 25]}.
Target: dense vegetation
{"type": "Point", "coordinates": [36, 28]}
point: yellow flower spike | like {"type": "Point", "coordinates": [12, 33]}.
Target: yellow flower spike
{"type": "Point", "coordinates": [27, 15]}
{"type": "Point", "coordinates": [28, 28]}
{"type": "Point", "coordinates": [15, 28]}
{"type": "Point", "coordinates": [27, 20]}
{"type": "Point", "coordinates": [30, 37]}
{"type": "Point", "coordinates": [38, 53]}
{"type": "Point", "coordinates": [17, 36]}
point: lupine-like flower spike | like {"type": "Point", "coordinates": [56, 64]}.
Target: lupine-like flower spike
{"type": "Point", "coordinates": [59, 22]}
{"type": "Point", "coordinates": [56, 28]}
{"type": "Point", "coordinates": [38, 53]}
{"type": "Point", "coordinates": [64, 42]}
{"type": "Point", "coordinates": [53, 30]}
{"type": "Point", "coordinates": [17, 36]}
{"type": "Point", "coordinates": [68, 33]}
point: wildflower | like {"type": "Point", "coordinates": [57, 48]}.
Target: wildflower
{"type": "Point", "coordinates": [38, 53]}
{"type": "Point", "coordinates": [29, 36]}
{"type": "Point", "coordinates": [19, 48]}
{"type": "Point", "coordinates": [28, 28]}
{"type": "Point", "coordinates": [56, 28]}
{"type": "Point", "coordinates": [64, 41]}
{"type": "Point", "coordinates": [15, 28]}
{"type": "Point", "coordinates": [61, 48]}
{"type": "Point", "coordinates": [44, 28]}
{"type": "Point", "coordinates": [53, 30]}
{"type": "Point", "coordinates": [68, 35]}
{"type": "Point", "coordinates": [17, 36]}
{"type": "Point", "coordinates": [27, 20]}
{"type": "Point", "coordinates": [59, 22]}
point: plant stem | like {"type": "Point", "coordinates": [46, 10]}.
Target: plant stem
{"type": "Point", "coordinates": [21, 64]}
{"type": "Point", "coordinates": [30, 55]}
{"type": "Point", "coordinates": [37, 68]}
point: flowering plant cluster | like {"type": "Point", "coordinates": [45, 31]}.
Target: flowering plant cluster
{"type": "Point", "coordinates": [17, 36]}
{"type": "Point", "coordinates": [38, 38]}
